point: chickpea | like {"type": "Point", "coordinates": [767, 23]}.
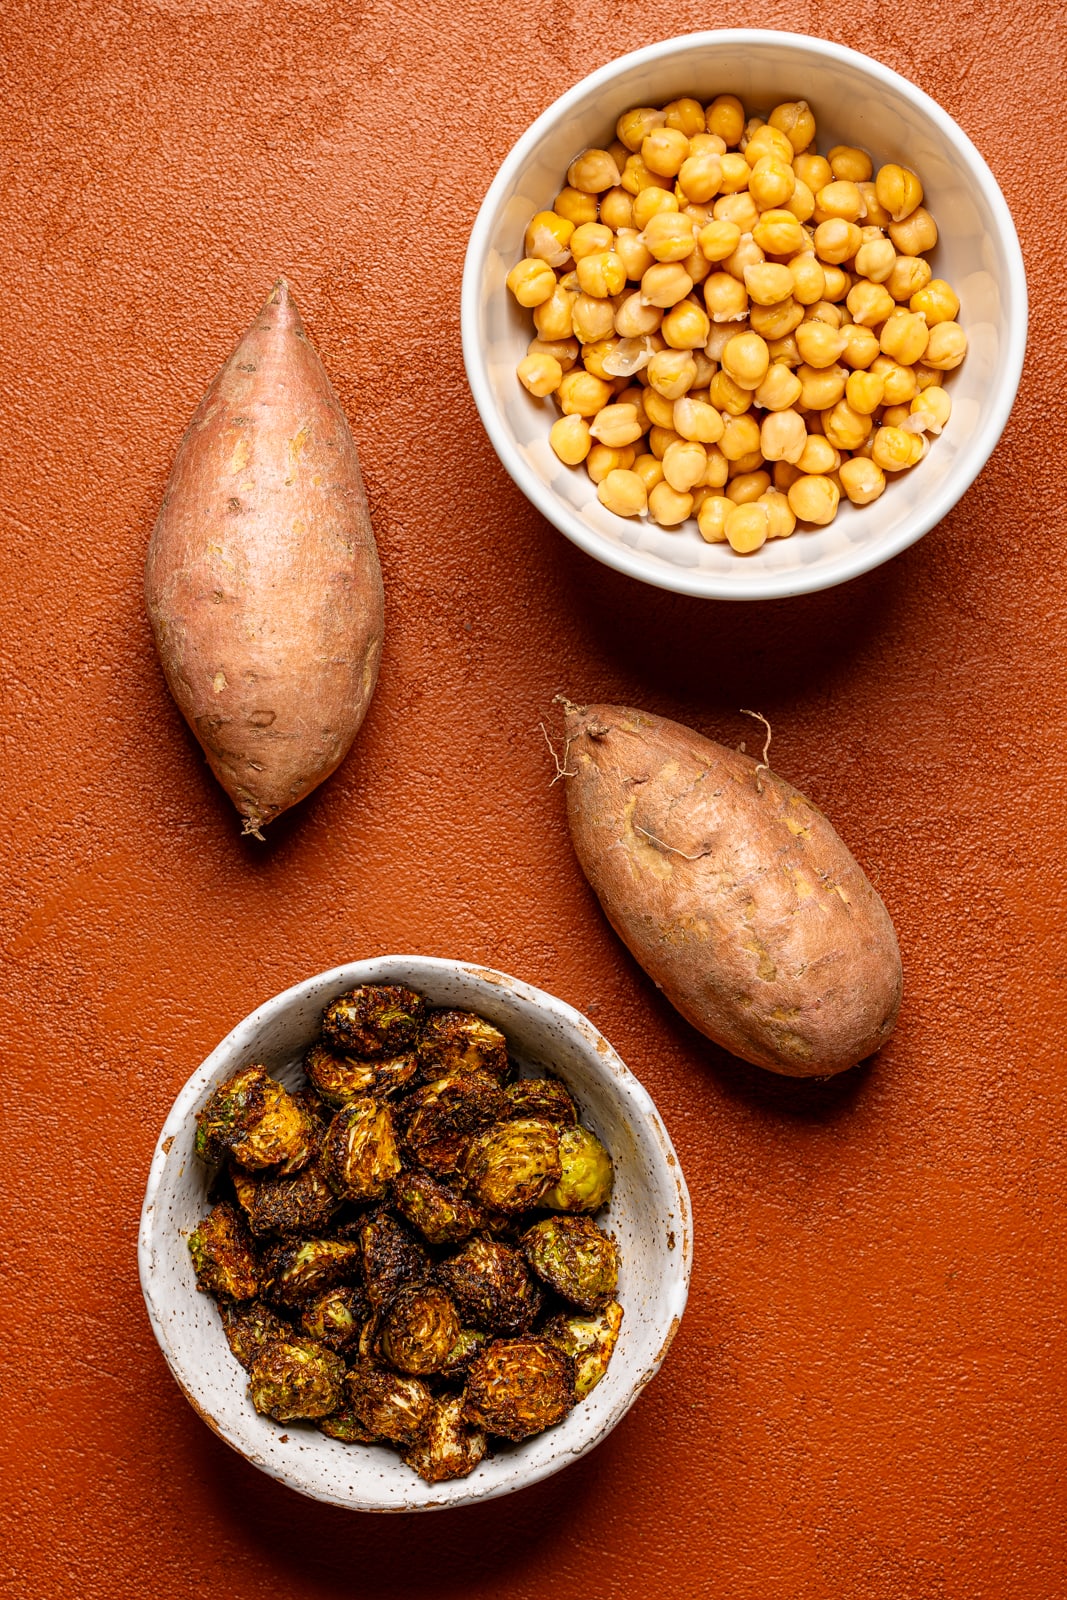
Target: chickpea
{"type": "Point", "coordinates": [616, 425]}
{"type": "Point", "coordinates": [740, 437]}
{"type": "Point", "coordinates": [697, 419]}
{"type": "Point", "coordinates": [575, 206]}
{"type": "Point", "coordinates": [869, 303]}
{"type": "Point", "coordinates": [739, 209]}
{"type": "Point", "coordinates": [839, 199]}
{"type": "Point", "coordinates": [814, 170]}
{"type": "Point", "coordinates": [862, 347]}
{"type": "Point", "coordinates": [601, 275]}
{"type": "Point", "coordinates": [651, 202]}
{"type": "Point", "coordinates": [794, 118]}
{"type": "Point", "coordinates": [801, 203]}
{"type": "Point", "coordinates": [635, 259]}
{"type": "Point", "coordinates": [711, 517]}
{"type": "Point", "coordinates": [684, 464]}
{"type": "Point", "coordinates": [747, 254]}
{"type": "Point", "coordinates": [617, 208]}
{"type": "Point", "coordinates": [775, 322]}
{"type": "Point", "coordinates": [876, 215]}
{"type": "Point", "coordinates": [783, 436]}
{"type": "Point", "coordinates": [658, 409]}
{"type": "Point", "coordinates": [636, 177]}
{"type": "Point", "coordinates": [947, 346]}
{"type": "Point", "coordinates": [718, 239]}
{"type": "Point", "coordinates": [541, 375]}
{"type": "Point", "coordinates": [623, 492]}
{"type": "Point", "coordinates": [767, 283]}
{"type": "Point", "coordinates": [744, 487]}
{"type": "Point", "coordinates": [836, 282]}
{"type": "Point", "coordinates": [779, 390]}
{"type": "Point", "coordinates": [900, 382]}
{"type": "Point", "coordinates": [592, 319]}
{"type": "Point", "coordinates": [718, 468]}
{"type": "Point", "coordinates": [899, 191]}
{"type": "Point", "coordinates": [602, 459]}
{"type": "Point", "coordinates": [667, 506]}
{"type": "Point", "coordinates": [862, 480]}
{"type": "Point", "coordinates": [894, 450]}
{"type": "Point", "coordinates": [781, 519]}
{"type": "Point", "coordinates": [548, 238]}
{"type": "Point", "coordinates": [686, 114]}
{"type": "Point", "coordinates": [735, 174]}
{"type": "Point", "coordinates": [725, 298]}
{"type": "Point", "coordinates": [778, 233]}
{"type": "Point", "coordinates": [570, 438]}
{"type": "Point", "coordinates": [772, 182]}
{"type": "Point", "coordinates": [905, 336]}
{"type": "Point", "coordinates": [837, 240]}
{"type": "Point", "coordinates": [633, 127]}
{"type": "Point", "coordinates": [698, 266]}
{"type": "Point", "coordinates": [725, 116]}
{"type": "Point", "coordinates": [819, 344]}
{"type": "Point", "coordinates": [700, 177]}
{"type": "Point", "coordinates": [553, 318]}
{"type": "Point", "coordinates": [934, 404]}
{"type": "Point", "coordinates": [746, 359]}
{"type": "Point", "coordinates": [665, 284]}
{"type": "Point", "coordinates": [531, 281]}
{"type": "Point", "coordinates": [592, 172]}
{"type": "Point", "coordinates": [844, 427]}
{"type": "Point", "coordinates": [746, 527]}
{"type": "Point", "coordinates": [597, 355]}
{"type": "Point", "coordinates": [671, 373]}
{"type": "Point", "coordinates": [821, 387]}
{"type": "Point", "coordinates": [649, 470]}
{"type": "Point", "coordinates": [938, 302]}
{"type": "Point", "coordinates": [634, 319]}
{"type": "Point", "coordinates": [669, 236]}
{"type": "Point", "coordinates": [864, 391]}
{"type": "Point", "coordinates": [916, 234]}
{"type": "Point", "coordinates": [818, 456]}
{"type": "Point", "coordinates": [875, 259]}
{"type": "Point", "coordinates": [565, 351]}
{"type": "Point", "coordinates": [809, 278]}
{"type": "Point", "coordinates": [659, 439]}
{"type": "Point", "coordinates": [663, 150]}
{"type": "Point", "coordinates": [849, 163]}
{"type": "Point", "coordinates": [767, 141]}
{"type": "Point", "coordinates": [581, 394]}
{"type": "Point", "coordinates": [814, 498]}
{"type": "Point", "coordinates": [686, 326]}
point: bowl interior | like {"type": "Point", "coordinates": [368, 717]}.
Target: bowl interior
{"type": "Point", "coordinates": [648, 1216]}
{"type": "Point", "coordinates": [856, 101]}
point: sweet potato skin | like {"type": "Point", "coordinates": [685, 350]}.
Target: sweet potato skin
{"type": "Point", "coordinates": [733, 892]}
{"type": "Point", "coordinates": [262, 580]}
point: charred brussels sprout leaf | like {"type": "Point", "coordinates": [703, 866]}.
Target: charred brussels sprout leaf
{"type": "Point", "coordinates": [492, 1288]}
{"type": "Point", "coordinates": [462, 1353]}
{"type": "Point", "coordinates": [341, 1079]}
{"type": "Point", "coordinates": [343, 1424]}
{"type": "Point", "coordinates": [419, 1329]}
{"type": "Point", "coordinates": [253, 1118]}
{"type": "Point", "coordinates": [459, 1041]}
{"type": "Point", "coordinates": [301, 1204]}
{"type": "Point", "coordinates": [590, 1341]}
{"type": "Point", "coordinates": [542, 1097]}
{"type": "Point", "coordinates": [441, 1116]}
{"type": "Point", "coordinates": [222, 1256]}
{"type": "Point", "coordinates": [334, 1317]}
{"type": "Point", "coordinates": [391, 1406]}
{"type": "Point", "coordinates": [359, 1153]}
{"type": "Point", "coordinates": [249, 1327]}
{"type": "Point", "coordinates": [301, 1270]}
{"type": "Point", "coordinates": [447, 1447]}
{"type": "Point", "coordinates": [391, 1257]}
{"type": "Point", "coordinates": [293, 1378]}
{"type": "Point", "coordinates": [518, 1387]}
{"type": "Point", "coordinates": [575, 1258]}
{"type": "Point", "coordinates": [374, 1021]}
{"type": "Point", "coordinates": [510, 1166]}
{"type": "Point", "coordinates": [440, 1214]}
{"type": "Point", "coordinates": [587, 1177]}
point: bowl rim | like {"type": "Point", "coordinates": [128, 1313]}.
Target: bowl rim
{"type": "Point", "coordinates": [639, 1103]}
{"type": "Point", "coordinates": [851, 563]}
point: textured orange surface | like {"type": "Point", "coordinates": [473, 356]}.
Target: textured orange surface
{"type": "Point", "coordinates": [866, 1398]}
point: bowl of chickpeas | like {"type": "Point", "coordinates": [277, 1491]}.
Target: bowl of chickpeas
{"type": "Point", "coordinates": [744, 314]}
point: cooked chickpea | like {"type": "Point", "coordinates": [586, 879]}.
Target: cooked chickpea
{"type": "Point", "coordinates": [821, 387]}
{"type": "Point", "coordinates": [783, 436]}
{"type": "Point", "coordinates": [553, 317]}
{"type": "Point", "coordinates": [740, 209]}
{"type": "Point", "coordinates": [617, 208]}
{"type": "Point", "coordinates": [548, 238]}
{"type": "Point", "coordinates": [899, 191]}
{"type": "Point", "coordinates": [744, 487]}
{"type": "Point", "coordinates": [665, 284]}
{"type": "Point", "coordinates": [658, 409]}
{"type": "Point", "coordinates": [946, 348]}
{"type": "Point", "coordinates": [565, 351]}
{"type": "Point", "coordinates": [839, 199]}
{"type": "Point", "coordinates": [875, 260]}
{"type": "Point", "coordinates": [864, 391]}
{"type": "Point", "coordinates": [735, 174]}
{"type": "Point", "coordinates": [819, 344]}
{"type": "Point", "coordinates": [725, 298]}
{"type": "Point", "coordinates": [616, 425]}
{"type": "Point", "coordinates": [869, 303]}
{"type": "Point", "coordinates": [718, 239]}
{"type": "Point", "coordinates": [836, 240]}
{"type": "Point", "coordinates": [711, 517]}
{"type": "Point", "coordinates": [671, 373]}
{"type": "Point", "coordinates": [767, 141]}
{"type": "Point", "coordinates": [767, 283]}
{"type": "Point", "coordinates": [592, 319]}
{"type": "Point", "coordinates": [623, 492]}
{"type": "Point", "coordinates": [778, 233]}
{"type": "Point", "coordinates": [784, 351]}
{"type": "Point", "coordinates": [668, 506]}
{"type": "Point", "coordinates": [685, 114]}
{"type": "Point", "coordinates": [784, 475]}
{"type": "Point", "coordinates": [775, 322]}
{"type": "Point", "coordinates": [718, 468]}
{"type": "Point", "coordinates": [746, 527]}
{"type": "Point", "coordinates": [725, 116]}
{"type": "Point", "coordinates": [794, 118]}
{"type": "Point", "coordinates": [669, 236]}
{"type": "Point", "coordinates": [686, 326]}
{"type": "Point", "coordinates": [772, 182]}
{"type": "Point", "coordinates": [862, 347]}
{"type": "Point", "coordinates": [779, 390]}
{"type": "Point", "coordinates": [801, 203]}
{"type": "Point", "coordinates": [592, 172]}
{"type": "Point", "coordinates": [598, 357]}
{"type": "Point", "coordinates": [850, 163]}
{"type": "Point", "coordinates": [916, 234]}
{"type": "Point", "coordinates": [575, 206]}
{"type": "Point", "coordinates": [697, 419]}
{"type": "Point", "coordinates": [781, 519]}
{"type": "Point", "coordinates": [909, 275]}
{"type": "Point", "coordinates": [603, 458]}
{"type": "Point", "coordinates": [700, 177]}
{"type": "Point", "coordinates": [814, 498]}
{"type": "Point", "coordinates": [905, 336]}
{"type": "Point", "coordinates": [836, 282]}
{"type": "Point", "coordinates": [938, 302]}
{"type": "Point", "coordinates": [894, 450]}
{"type": "Point", "coordinates": [684, 464]}
{"type": "Point", "coordinates": [900, 382]}
{"type": "Point", "coordinates": [698, 267]}
{"type": "Point", "coordinates": [845, 427]}
{"type": "Point", "coordinates": [570, 438]}
{"type": "Point", "coordinates": [727, 396]}
{"type": "Point", "coordinates": [809, 278]}
{"type": "Point", "coordinates": [650, 470]}
{"type": "Point", "coordinates": [933, 402]}
{"type": "Point", "coordinates": [746, 359]}
{"type": "Point", "coordinates": [818, 456]}
{"type": "Point", "coordinates": [747, 254]}
{"type": "Point", "coordinates": [633, 127]}
{"type": "Point", "coordinates": [862, 480]}
{"type": "Point", "coordinates": [601, 275]}
{"type": "Point", "coordinates": [740, 437]}
{"type": "Point", "coordinates": [664, 150]}
{"type": "Point", "coordinates": [540, 374]}
{"type": "Point", "coordinates": [531, 281]}
{"type": "Point", "coordinates": [812, 169]}
{"type": "Point", "coordinates": [636, 176]}
{"type": "Point", "coordinates": [896, 417]}
{"type": "Point", "coordinates": [634, 319]}
{"type": "Point", "coordinates": [582, 394]}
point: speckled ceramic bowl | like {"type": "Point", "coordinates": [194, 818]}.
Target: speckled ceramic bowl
{"type": "Point", "coordinates": [649, 1216]}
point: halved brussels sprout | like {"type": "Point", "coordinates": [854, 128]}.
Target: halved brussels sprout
{"type": "Point", "coordinates": [253, 1118]}
{"type": "Point", "coordinates": [510, 1166]}
{"type": "Point", "coordinates": [359, 1153]}
{"type": "Point", "coordinates": [334, 1317]}
{"type": "Point", "coordinates": [391, 1257]}
{"type": "Point", "coordinates": [419, 1329]}
{"type": "Point", "coordinates": [441, 1116]}
{"type": "Point", "coordinates": [343, 1424]}
{"type": "Point", "coordinates": [340, 1079]}
{"type": "Point", "coordinates": [589, 1340]}
{"type": "Point", "coordinates": [519, 1387]}
{"type": "Point", "coordinates": [301, 1204]}
{"type": "Point", "coordinates": [299, 1271]}
{"type": "Point", "coordinates": [448, 1447]}
{"type": "Point", "coordinates": [222, 1255]}
{"type": "Point", "coordinates": [249, 1327]}
{"type": "Point", "coordinates": [391, 1406]}
{"type": "Point", "coordinates": [542, 1097]}
{"type": "Point", "coordinates": [492, 1288]}
{"type": "Point", "coordinates": [575, 1258]}
{"type": "Point", "coordinates": [459, 1041]}
{"type": "Point", "coordinates": [374, 1021]}
{"type": "Point", "coordinates": [587, 1177]}
{"type": "Point", "coordinates": [461, 1355]}
{"type": "Point", "coordinates": [294, 1378]}
{"type": "Point", "coordinates": [440, 1214]}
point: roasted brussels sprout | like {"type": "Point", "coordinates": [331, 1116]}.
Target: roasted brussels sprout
{"type": "Point", "coordinates": [303, 1203]}
{"type": "Point", "coordinates": [542, 1097]}
{"type": "Point", "coordinates": [391, 1257]}
{"type": "Point", "coordinates": [589, 1340]}
{"type": "Point", "coordinates": [492, 1288]}
{"type": "Point", "coordinates": [340, 1079]}
{"type": "Point", "coordinates": [419, 1329]}
{"type": "Point", "coordinates": [292, 1378]}
{"type": "Point", "coordinates": [303, 1269]}
{"type": "Point", "coordinates": [518, 1387]}
{"type": "Point", "coordinates": [343, 1424]}
{"type": "Point", "coordinates": [222, 1255]}
{"type": "Point", "coordinates": [459, 1041]}
{"type": "Point", "coordinates": [440, 1214]}
{"type": "Point", "coordinates": [447, 1447]}
{"type": "Point", "coordinates": [461, 1355]}
{"type": "Point", "coordinates": [587, 1177]}
{"type": "Point", "coordinates": [575, 1258]}
{"type": "Point", "coordinates": [374, 1021]}
{"type": "Point", "coordinates": [391, 1406]}
{"type": "Point", "coordinates": [249, 1327]}
{"type": "Point", "coordinates": [441, 1116]}
{"type": "Point", "coordinates": [253, 1118]}
{"type": "Point", "coordinates": [334, 1317]}
{"type": "Point", "coordinates": [510, 1166]}
{"type": "Point", "coordinates": [359, 1153]}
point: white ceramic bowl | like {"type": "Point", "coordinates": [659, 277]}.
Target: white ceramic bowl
{"type": "Point", "coordinates": [649, 1216]}
{"type": "Point", "coordinates": [856, 101]}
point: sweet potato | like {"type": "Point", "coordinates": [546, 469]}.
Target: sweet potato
{"type": "Point", "coordinates": [732, 891]}
{"type": "Point", "coordinates": [262, 580]}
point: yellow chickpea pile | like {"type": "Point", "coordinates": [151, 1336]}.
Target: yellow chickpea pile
{"type": "Point", "coordinates": [733, 327]}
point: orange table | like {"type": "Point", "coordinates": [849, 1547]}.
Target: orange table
{"type": "Point", "coordinates": [866, 1398]}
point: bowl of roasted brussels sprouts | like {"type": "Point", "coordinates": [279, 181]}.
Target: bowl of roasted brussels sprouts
{"type": "Point", "coordinates": [414, 1236]}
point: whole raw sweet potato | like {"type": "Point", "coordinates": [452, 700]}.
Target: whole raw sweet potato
{"type": "Point", "coordinates": [262, 581]}
{"type": "Point", "coordinates": [732, 891]}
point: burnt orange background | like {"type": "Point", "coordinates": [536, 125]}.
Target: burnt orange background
{"type": "Point", "coordinates": [866, 1400]}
